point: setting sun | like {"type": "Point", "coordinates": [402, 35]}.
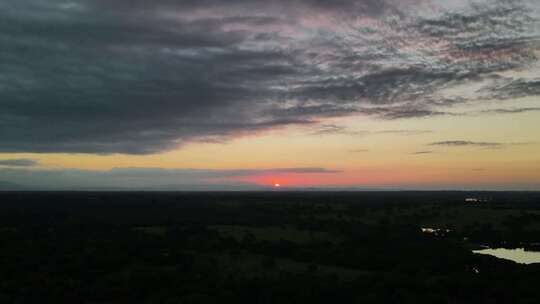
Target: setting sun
{"type": "Point", "coordinates": [277, 185]}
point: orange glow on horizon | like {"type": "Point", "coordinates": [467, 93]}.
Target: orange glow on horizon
{"type": "Point", "coordinates": [406, 177]}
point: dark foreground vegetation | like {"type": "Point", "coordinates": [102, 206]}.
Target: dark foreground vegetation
{"type": "Point", "coordinates": [266, 247]}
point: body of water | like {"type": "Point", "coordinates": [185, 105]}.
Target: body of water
{"type": "Point", "coordinates": [518, 255]}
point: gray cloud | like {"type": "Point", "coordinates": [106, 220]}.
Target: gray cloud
{"type": "Point", "coordinates": [141, 177]}
{"type": "Point", "coordinates": [480, 144]}
{"type": "Point", "coordinates": [465, 143]}
{"type": "Point", "coordinates": [513, 88]}
{"type": "Point", "coordinates": [402, 132]}
{"type": "Point", "coordinates": [23, 162]}
{"type": "Point", "coordinates": [512, 110]}
{"type": "Point", "coordinates": [422, 152]}
{"type": "Point", "coordinates": [332, 129]}
{"type": "Point", "coordinates": [142, 77]}
{"type": "Point", "coordinates": [412, 113]}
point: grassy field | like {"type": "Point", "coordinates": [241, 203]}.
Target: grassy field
{"type": "Point", "coordinates": [275, 234]}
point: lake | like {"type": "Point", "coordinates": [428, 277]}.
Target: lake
{"type": "Point", "coordinates": [518, 255]}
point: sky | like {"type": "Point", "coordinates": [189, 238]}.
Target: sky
{"type": "Point", "coordinates": [238, 94]}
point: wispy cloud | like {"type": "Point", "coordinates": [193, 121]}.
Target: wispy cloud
{"type": "Point", "coordinates": [512, 110]}
{"type": "Point", "coordinates": [509, 88]}
{"type": "Point", "coordinates": [465, 143]}
{"type": "Point", "coordinates": [332, 129]}
{"type": "Point", "coordinates": [359, 150]}
{"type": "Point", "coordinates": [402, 132]}
{"type": "Point", "coordinates": [480, 144]}
{"type": "Point", "coordinates": [326, 129]}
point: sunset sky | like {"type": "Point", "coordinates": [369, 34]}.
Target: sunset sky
{"type": "Point", "coordinates": [237, 94]}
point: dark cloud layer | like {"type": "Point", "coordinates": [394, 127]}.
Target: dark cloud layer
{"type": "Point", "coordinates": [142, 177]}
{"type": "Point", "coordinates": [18, 162]}
{"type": "Point", "coordinates": [141, 77]}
